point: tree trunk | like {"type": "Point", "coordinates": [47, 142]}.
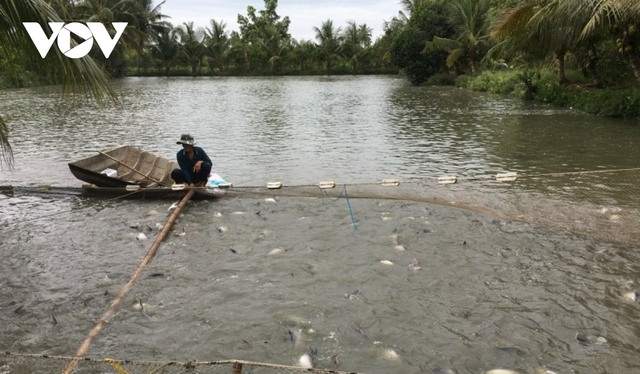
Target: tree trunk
{"type": "Point", "coordinates": [591, 67]}
{"type": "Point", "coordinates": [634, 61]}
{"type": "Point", "coordinates": [472, 65]}
{"type": "Point", "coordinates": [247, 67]}
{"type": "Point", "coordinates": [562, 77]}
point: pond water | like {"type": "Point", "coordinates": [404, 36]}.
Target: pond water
{"type": "Point", "coordinates": [489, 292]}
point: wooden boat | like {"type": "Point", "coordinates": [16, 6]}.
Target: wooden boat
{"type": "Point", "coordinates": [131, 171]}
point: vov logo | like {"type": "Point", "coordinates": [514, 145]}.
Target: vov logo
{"type": "Point", "coordinates": [92, 30]}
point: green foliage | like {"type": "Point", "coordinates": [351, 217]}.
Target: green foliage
{"type": "Point", "coordinates": [442, 79]}
{"type": "Point", "coordinates": [623, 103]}
{"type": "Point", "coordinates": [504, 82]}
{"type": "Point", "coordinates": [406, 49]}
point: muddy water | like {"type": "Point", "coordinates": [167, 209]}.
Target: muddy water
{"type": "Point", "coordinates": [488, 293]}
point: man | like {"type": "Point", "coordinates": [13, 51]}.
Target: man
{"type": "Point", "coordinates": [195, 165]}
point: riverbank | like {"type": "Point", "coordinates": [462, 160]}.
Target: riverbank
{"type": "Point", "coordinates": [617, 102]}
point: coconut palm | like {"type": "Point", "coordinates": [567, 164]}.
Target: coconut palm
{"type": "Point", "coordinates": [107, 12]}
{"type": "Point", "coordinates": [81, 74]}
{"type": "Point", "coordinates": [470, 19]}
{"type": "Point", "coordinates": [273, 44]}
{"type": "Point", "coordinates": [329, 45]}
{"type": "Point", "coordinates": [620, 17]}
{"type": "Point", "coordinates": [303, 53]}
{"type": "Point", "coordinates": [150, 22]}
{"type": "Point", "coordinates": [192, 48]}
{"type": "Point", "coordinates": [409, 7]}
{"type": "Point", "coordinates": [364, 33]}
{"type": "Point", "coordinates": [218, 43]}
{"type": "Point", "coordinates": [540, 28]}
{"type": "Point", "coordinates": [165, 49]}
{"type": "Point", "coordinates": [352, 45]}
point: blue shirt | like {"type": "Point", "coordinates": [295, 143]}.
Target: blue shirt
{"type": "Point", "coordinates": [187, 164]}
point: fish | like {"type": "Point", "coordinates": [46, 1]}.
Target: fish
{"type": "Point", "coordinates": [222, 228]}
{"type": "Point", "coordinates": [295, 336]}
{"type": "Point", "coordinates": [139, 305]}
{"type": "Point", "coordinates": [270, 200]}
{"type": "Point", "coordinates": [306, 361]}
{"type": "Point", "coordinates": [526, 321]}
{"type": "Point", "coordinates": [386, 262]}
{"type": "Point", "coordinates": [515, 350]}
{"type": "Point", "coordinates": [357, 329]}
{"type": "Point", "coordinates": [54, 320]}
{"type": "Point", "coordinates": [589, 339]}
{"type": "Point", "coordinates": [334, 359]}
{"type": "Point", "coordinates": [275, 251]}
{"type": "Point", "coordinates": [400, 248]}
{"type": "Point", "coordinates": [631, 296]}
{"type": "Point", "coordinates": [353, 295]}
{"type": "Point", "coordinates": [141, 237]}
{"type": "Point", "coordinates": [181, 233]}
{"type": "Point", "coordinates": [414, 265]}
{"type": "Point", "coordinates": [544, 371]}
{"type": "Point", "coordinates": [173, 206]}
{"type": "Point", "coordinates": [439, 370]}
{"type": "Point", "coordinates": [390, 354]}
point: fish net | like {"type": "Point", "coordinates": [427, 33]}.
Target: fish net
{"type": "Point", "coordinates": [16, 363]}
{"type": "Point", "coordinates": [597, 204]}
{"type": "Point", "coordinates": [603, 205]}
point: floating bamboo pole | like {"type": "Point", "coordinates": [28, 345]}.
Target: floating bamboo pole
{"type": "Point", "coordinates": [127, 287]}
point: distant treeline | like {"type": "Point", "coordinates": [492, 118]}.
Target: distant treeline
{"type": "Point", "coordinates": [591, 43]}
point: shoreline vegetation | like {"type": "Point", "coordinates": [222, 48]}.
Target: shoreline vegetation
{"type": "Point", "coordinates": [567, 53]}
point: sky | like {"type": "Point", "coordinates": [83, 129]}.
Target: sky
{"type": "Point", "coordinates": [303, 14]}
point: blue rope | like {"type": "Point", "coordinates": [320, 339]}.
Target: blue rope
{"type": "Point", "coordinates": [353, 219]}
{"type": "Point", "coordinates": [344, 190]}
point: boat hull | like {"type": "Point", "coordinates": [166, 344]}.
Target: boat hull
{"type": "Point", "coordinates": [131, 172]}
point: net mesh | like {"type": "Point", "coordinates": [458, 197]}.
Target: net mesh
{"type": "Point", "coordinates": [601, 204]}
{"type": "Point", "coordinates": [16, 363]}
{"type": "Point", "coordinates": [598, 204]}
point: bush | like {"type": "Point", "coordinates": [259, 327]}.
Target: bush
{"type": "Point", "coordinates": [624, 103]}
{"type": "Point", "coordinates": [442, 79]}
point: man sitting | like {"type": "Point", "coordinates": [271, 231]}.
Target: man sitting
{"type": "Point", "coordinates": [195, 165]}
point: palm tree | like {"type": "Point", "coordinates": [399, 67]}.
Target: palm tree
{"type": "Point", "coordinates": [330, 43]}
{"type": "Point", "coordinates": [364, 33]}
{"type": "Point", "coordinates": [541, 28]}
{"type": "Point", "coordinates": [239, 50]}
{"type": "Point", "coordinates": [470, 18]}
{"type": "Point", "coordinates": [192, 48]}
{"type": "Point", "coordinates": [409, 7]}
{"type": "Point", "coordinates": [303, 53]}
{"type": "Point", "coordinates": [352, 44]}
{"type": "Point", "coordinates": [218, 43]}
{"type": "Point", "coordinates": [82, 74]}
{"type": "Point", "coordinates": [166, 48]}
{"type": "Point", "coordinates": [274, 44]}
{"type": "Point", "coordinates": [622, 17]}
{"type": "Point", "coordinates": [150, 23]}
{"type": "Point", "coordinates": [107, 12]}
